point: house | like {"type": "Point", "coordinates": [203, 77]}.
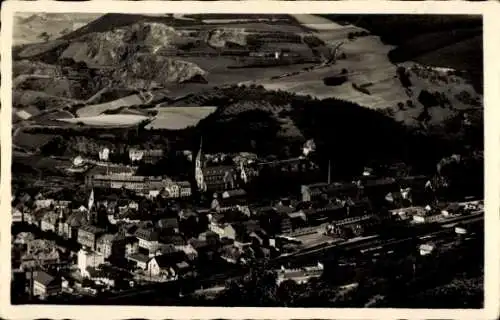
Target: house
{"type": "Point", "coordinates": [38, 245]}
{"type": "Point", "coordinates": [168, 224]}
{"type": "Point", "coordinates": [150, 156]}
{"type": "Point", "coordinates": [223, 230]}
{"type": "Point", "coordinates": [328, 212]}
{"type": "Point", "coordinates": [172, 190]}
{"type": "Point", "coordinates": [88, 235]}
{"type": "Point", "coordinates": [164, 248]}
{"type": "Point", "coordinates": [234, 193]}
{"type": "Point", "coordinates": [111, 245]}
{"type": "Point", "coordinates": [209, 237]}
{"type": "Point", "coordinates": [231, 254]}
{"type": "Point", "coordinates": [75, 220]}
{"type": "Point", "coordinates": [259, 237]}
{"type": "Point", "coordinates": [184, 189]}
{"type": "Point", "coordinates": [148, 239]}
{"type": "Point", "coordinates": [17, 216]}
{"type": "Point", "coordinates": [43, 203]}
{"type": "Point", "coordinates": [24, 238]}
{"type": "Point", "coordinates": [298, 219]}
{"type": "Point", "coordinates": [87, 259]}
{"type": "Point", "coordinates": [50, 222]}
{"type": "Point", "coordinates": [175, 239]}
{"type": "Point", "coordinates": [141, 260]}
{"type": "Point", "coordinates": [45, 285]}
{"type": "Point", "coordinates": [166, 264]}
{"type": "Point", "coordinates": [61, 204]}
{"type": "Point", "coordinates": [131, 245]}
{"type": "Point", "coordinates": [101, 276]}
{"type": "Point", "coordinates": [139, 184]}
{"type": "Point", "coordinates": [36, 217]}
{"type": "Point", "coordinates": [190, 251]}
{"type": "Point", "coordinates": [313, 192]}
{"type": "Point", "coordinates": [47, 258]}
{"type": "Point", "coordinates": [301, 275]}
{"type": "Point", "coordinates": [426, 248]}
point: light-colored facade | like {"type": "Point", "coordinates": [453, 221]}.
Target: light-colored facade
{"type": "Point", "coordinates": [88, 259]}
{"type": "Point", "coordinates": [224, 230]}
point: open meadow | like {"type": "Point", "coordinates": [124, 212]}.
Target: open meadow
{"type": "Point", "coordinates": [108, 120]}
{"type": "Point", "coordinates": [177, 118]}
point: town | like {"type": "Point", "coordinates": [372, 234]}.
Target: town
{"type": "Point", "coordinates": [247, 160]}
{"type": "Point", "coordinates": [137, 230]}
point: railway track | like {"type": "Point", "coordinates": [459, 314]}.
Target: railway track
{"type": "Point", "coordinates": [377, 241]}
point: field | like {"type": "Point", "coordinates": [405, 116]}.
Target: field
{"type": "Point", "coordinates": [111, 120]}
{"type": "Point", "coordinates": [177, 118]}
{"type": "Point", "coordinates": [31, 141]}
{"type": "Point", "coordinates": [97, 109]}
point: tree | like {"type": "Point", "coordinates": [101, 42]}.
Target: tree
{"type": "Point", "coordinates": [428, 99]}
{"type": "Point", "coordinates": [44, 36]}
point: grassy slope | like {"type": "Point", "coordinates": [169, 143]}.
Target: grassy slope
{"type": "Point", "coordinates": [453, 41]}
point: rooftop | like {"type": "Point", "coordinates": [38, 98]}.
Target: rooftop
{"type": "Point", "coordinates": [138, 257]}
{"type": "Point", "coordinates": [43, 278]}
{"type": "Point", "coordinates": [146, 234]}
{"type": "Point", "coordinates": [92, 229]}
{"type": "Point", "coordinates": [170, 259]}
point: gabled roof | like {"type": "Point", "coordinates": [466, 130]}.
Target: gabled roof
{"type": "Point", "coordinates": [138, 257]}
{"type": "Point", "coordinates": [110, 237]}
{"type": "Point", "coordinates": [43, 278]}
{"type": "Point", "coordinates": [146, 234]}
{"type": "Point", "coordinates": [175, 238]}
{"type": "Point", "coordinates": [170, 259]}
{"type": "Point", "coordinates": [92, 229]}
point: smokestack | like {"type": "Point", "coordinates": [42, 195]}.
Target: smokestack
{"type": "Point", "coordinates": [329, 172]}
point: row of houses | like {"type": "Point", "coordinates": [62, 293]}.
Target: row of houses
{"type": "Point", "coordinates": [141, 184]}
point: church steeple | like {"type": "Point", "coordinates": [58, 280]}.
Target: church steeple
{"type": "Point", "coordinates": [198, 172]}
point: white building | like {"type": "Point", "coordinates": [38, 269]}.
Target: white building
{"type": "Point", "coordinates": [88, 259]}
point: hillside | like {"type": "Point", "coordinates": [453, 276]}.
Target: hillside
{"type": "Point", "coordinates": [40, 27]}
{"type": "Point", "coordinates": [435, 40]}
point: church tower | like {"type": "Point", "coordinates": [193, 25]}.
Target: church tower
{"type": "Point", "coordinates": [198, 172]}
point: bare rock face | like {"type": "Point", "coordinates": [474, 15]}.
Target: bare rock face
{"type": "Point", "coordinates": [132, 52]}
{"type": "Point", "coordinates": [113, 47]}
{"type": "Point", "coordinates": [142, 70]}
